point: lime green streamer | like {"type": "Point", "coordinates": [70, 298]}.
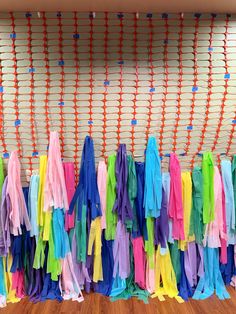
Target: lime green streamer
{"type": "Point", "coordinates": [2, 177]}
{"type": "Point", "coordinates": [111, 217]}
{"type": "Point", "coordinates": [208, 187]}
{"type": "Point", "coordinates": [39, 255]}
{"type": "Point", "coordinates": [53, 264]}
{"type": "Point", "coordinates": [149, 244]}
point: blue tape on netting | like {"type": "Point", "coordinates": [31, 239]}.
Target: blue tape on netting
{"type": "Point", "coordinates": [76, 36]}
{"type": "Point", "coordinates": [194, 89]}
{"type": "Point", "coordinates": [6, 155]}
{"type": "Point", "coordinates": [167, 155]}
{"type": "Point", "coordinates": [197, 15]}
{"type": "Point", "coordinates": [61, 62]}
{"type": "Point", "coordinates": [189, 127]}
{"type": "Point", "coordinates": [227, 76]}
{"type": "Point", "coordinates": [182, 154]}
{"type": "Point", "coordinates": [152, 89]}
{"type": "Point", "coordinates": [1, 89]}
{"type": "Point", "coordinates": [90, 122]}
{"type": "Point", "coordinates": [34, 154]}
{"type": "Point", "coordinates": [199, 154]}
{"type": "Point", "coordinates": [28, 14]}
{"type": "Point", "coordinates": [61, 103]}
{"type": "Point", "coordinates": [17, 122]}
{"type": "Point", "coordinates": [121, 62]}
{"type": "Point", "coordinates": [106, 83]}
{"type": "Point", "coordinates": [31, 70]}
{"type": "Point", "coordinates": [234, 121]}
{"type": "Point", "coordinates": [149, 15]}
{"type": "Point", "coordinates": [164, 15]}
{"type": "Point", "coordinates": [210, 49]}
{"type": "Point", "coordinates": [13, 35]}
{"type": "Point", "coordinates": [133, 121]}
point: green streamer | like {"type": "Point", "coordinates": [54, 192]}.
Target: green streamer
{"type": "Point", "coordinates": [111, 217]}
{"type": "Point", "coordinates": [175, 259]}
{"type": "Point", "coordinates": [196, 223]}
{"type": "Point", "coordinates": [208, 187]}
{"type": "Point", "coordinates": [132, 193]}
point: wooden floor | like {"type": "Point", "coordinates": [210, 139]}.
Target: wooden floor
{"type": "Point", "coordinates": [96, 304]}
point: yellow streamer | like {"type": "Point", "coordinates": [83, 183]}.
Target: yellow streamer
{"type": "Point", "coordinates": [95, 237]}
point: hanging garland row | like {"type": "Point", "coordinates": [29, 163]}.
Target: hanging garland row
{"type": "Point", "coordinates": [127, 230]}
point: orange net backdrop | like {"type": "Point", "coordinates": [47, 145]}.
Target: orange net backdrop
{"type": "Point", "coordinates": [119, 78]}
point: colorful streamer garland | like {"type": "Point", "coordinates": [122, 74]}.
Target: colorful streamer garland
{"type": "Point", "coordinates": [129, 230]}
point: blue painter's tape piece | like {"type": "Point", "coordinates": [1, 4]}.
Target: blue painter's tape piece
{"type": "Point", "coordinates": [152, 89]}
{"type": "Point", "coordinates": [58, 14]}
{"type": "Point", "coordinates": [133, 121]}
{"type": "Point", "coordinates": [199, 154]}
{"type": "Point", "coordinates": [1, 89]}
{"type": "Point", "coordinates": [167, 155]}
{"type": "Point", "coordinates": [161, 157]}
{"type": "Point", "coordinates": [197, 15]}
{"type": "Point", "coordinates": [210, 48]}
{"type": "Point", "coordinates": [222, 154]}
{"type": "Point", "coordinates": [17, 122]}
{"type": "Point", "coordinates": [28, 14]}
{"type": "Point", "coordinates": [194, 89]}
{"type": "Point", "coordinates": [106, 83]}
{"type": "Point", "coordinates": [228, 15]}
{"type": "Point", "coordinates": [61, 62]}
{"type": "Point", "coordinates": [6, 155]}
{"type": "Point", "coordinates": [31, 70]}
{"type": "Point", "coordinates": [35, 154]}
{"type": "Point", "coordinates": [149, 15]}
{"type": "Point", "coordinates": [164, 15]}
{"type": "Point", "coordinates": [234, 121]}
{"type": "Point", "coordinates": [13, 35]}
{"type": "Point", "coordinates": [120, 15]}
{"type": "Point", "coordinates": [90, 122]}
{"type": "Point", "coordinates": [61, 103]}
{"type": "Point", "coordinates": [182, 154]}
{"type": "Point", "coordinates": [91, 15]}
{"type": "Point", "coordinates": [213, 14]}
{"type": "Point", "coordinates": [47, 147]}
{"type": "Point", "coordinates": [76, 36]}
{"type": "Point", "coordinates": [189, 127]}
{"type": "Point", "coordinates": [166, 41]}
{"type": "Point", "coordinates": [227, 76]}
{"type": "Point", "coordinates": [120, 62]}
